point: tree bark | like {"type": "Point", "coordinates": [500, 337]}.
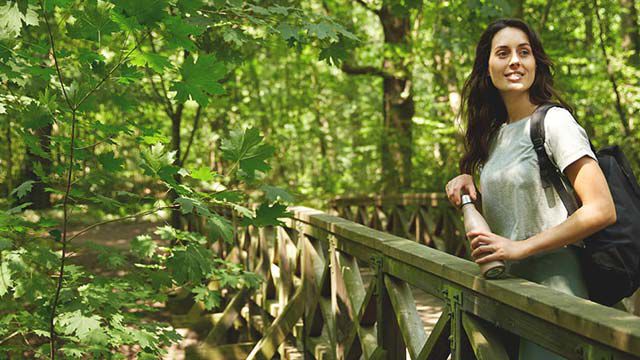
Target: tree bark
{"type": "Point", "coordinates": [631, 37]}
{"type": "Point", "coordinates": [398, 105]}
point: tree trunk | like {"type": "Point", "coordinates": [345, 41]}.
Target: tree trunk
{"type": "Point", "coordinates": [631, 37]}
{"type": "Point", "coordinates": [39, 198]}
{"type": "Point", "coordinates": [398, 106]}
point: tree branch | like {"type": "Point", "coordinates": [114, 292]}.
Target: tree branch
{"type": "Point", "coordinates": [164, 88]}
{"type": "Point", "coordinates": [142, 213]}
{"type": "Point", "coordinates": [106, 77]}
{"type": "Point", "coordinates": [366, 6]}
{"type": "Point", "coordinates": [364, 70]}
{"type": "Point", "coordinates": [196, 119]}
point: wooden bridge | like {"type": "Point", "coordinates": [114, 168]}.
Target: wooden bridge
{"type": "Point", "coordinates": [337, 287]}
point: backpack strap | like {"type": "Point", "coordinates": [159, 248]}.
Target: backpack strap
{"type": "Point", "coordinates": [549, 173]}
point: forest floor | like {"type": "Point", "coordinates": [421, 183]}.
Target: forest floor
{"type": "Point", "coordinates": [118, 236]}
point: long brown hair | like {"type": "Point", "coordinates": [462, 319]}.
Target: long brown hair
{"type": "Point", "coordinates": [482, 106]}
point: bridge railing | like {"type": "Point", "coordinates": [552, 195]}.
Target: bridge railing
{"type": "Point", "coordinates": [427, 218]}
{"type": "Point", "coordinates": [314, 296]}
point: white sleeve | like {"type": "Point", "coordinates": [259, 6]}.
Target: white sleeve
{"type": "Point", "coordinates": [565, 140]}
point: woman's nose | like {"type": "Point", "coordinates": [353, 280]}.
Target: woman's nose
{"type": "Point", "coordinates": [515, 60]}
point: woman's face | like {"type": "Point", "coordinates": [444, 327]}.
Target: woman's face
{"type": "Point", "coordinates": [512, 66]}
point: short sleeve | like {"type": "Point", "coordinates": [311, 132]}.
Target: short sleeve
{"type": "Point", "coordinates": [566, 141]}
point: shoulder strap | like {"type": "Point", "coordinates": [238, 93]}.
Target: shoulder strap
{"type": "Point", "coordinates": [549, 173]}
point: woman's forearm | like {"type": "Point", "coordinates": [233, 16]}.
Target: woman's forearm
{"type": "Point", "coordinates": [587, 220]}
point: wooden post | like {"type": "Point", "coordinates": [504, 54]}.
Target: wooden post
{"type": "Point", "coordinates": [389, 334]}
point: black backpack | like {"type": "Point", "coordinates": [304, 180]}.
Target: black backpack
{"type": "Point", "coordinates": [610, 258]}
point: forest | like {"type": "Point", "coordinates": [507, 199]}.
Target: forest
{"type": "Point", "coordinates": [227, 112]}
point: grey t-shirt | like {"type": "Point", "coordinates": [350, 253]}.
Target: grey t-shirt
{"type": "Point", "coordinates": [514, 203]}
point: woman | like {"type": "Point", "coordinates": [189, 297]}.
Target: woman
{"type": "Point", "coordinates": [511, 77]}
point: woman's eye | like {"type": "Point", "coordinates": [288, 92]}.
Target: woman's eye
{"type": "Point", "coordinates": [525, 52]}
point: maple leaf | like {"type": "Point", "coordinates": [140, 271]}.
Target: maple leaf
{"type": "Point", "coordinates": [146, 12]}
{"type": "Point", "coordinates": [220, 227]}
{"type": "Point", "coordinates": [155, 62]}
{"type": "Point", "coordinates": [190, 263]}
{"type": "Point", "coordinates": [11, 19]}
{"type": "Point", "coordinates": [180, 30]}
{"type": "Point", "coordinates": [78, 324]}
{"type": "Point", "coordinates": [200, 79]}
{"type": "Point", "coordinates": [210, 299]}
{"type": "Point", "coordinates": [5, 278]}
{"type": "Point", "coordinates": [143, 246]}
{"type": "Point", "coordinates": [110, 163]}
{"type": "Point", "coordinates": [92, 23]}
{"type": "Point", "coordinates": [268, 215]}
{"type": "Point", "coordinates": [23, 189]}
{"type": "Point", "coordinates": [247, 149]}
{"type": "Point", "coordinates": [203, 173]}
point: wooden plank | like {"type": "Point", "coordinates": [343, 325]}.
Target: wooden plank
{"type": "Point", "coordinates": [204, 351]}
{"type": "Point", "coordinates": [217, 335]}
{"type": "Point", "coordinates": [437, 344]}
{"type": "Point", "coordinates": [279, 329]}
{"type": "Point", "coordinates": [485, 341]}
{"type": "Point", "coordinates": [404, 307]}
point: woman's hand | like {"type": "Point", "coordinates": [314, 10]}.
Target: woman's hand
{"type": "Point", "coordinates": [487, 246]}
{"type": "Point", "coordinates": [458, 185]}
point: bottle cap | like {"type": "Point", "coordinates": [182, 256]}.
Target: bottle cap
{"type": "Point", "coordinates": [466, 199]}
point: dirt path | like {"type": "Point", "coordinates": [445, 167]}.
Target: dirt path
{"type": "Point", "coordinates": [119, 236]}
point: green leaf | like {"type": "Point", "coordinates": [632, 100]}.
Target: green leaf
{"type": "Point", "coordinates": [246, 148]}
{"type": "Point", "coordinates": [274, 194]}
{"type": "Point", "coordinates": [110, 163]}
{"type": "Point", "coordinates": [189, 6]}
{"type": "Point", "coordinates": [146, 12]}
{"type": "Point", "coordinates": [179, 32]}
{"type": "Point", "coordinates": [186, 205]}
{"type": "Point", "coordinates": [78, 324]}
{"type": "Point", "coordinates": [210, 299]}
{"type": "Point", "coordinates": [5, 278]}
{"type": "Point", "coordinates": [200, 79]}
{"type": "Point", "coordinates": [23, 189]}
{"type": "Point", "coordinates": [92, 23]}
{"type": "Point", "coordinates": [143, 246]}
{"type": "Point", "coordinates": [334, 54]}
{"type": "Point", "coordinates": [203, 173]}
{"type": "Point", "coordinates": [220, 227]}
{"type": "Point", "coordinates": [191, 263]}
{"type": "Point", "coordinates": [11, 19]}
{"type": "Point", "coordinates": [145, 339]}
{"type": "Point", "coordinates": [155, 62]}
{"type": "Point", "coordinates": [268, 215]}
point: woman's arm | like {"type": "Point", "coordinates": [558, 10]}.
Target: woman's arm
{"type": "Point", "coordinates": [597, 212]}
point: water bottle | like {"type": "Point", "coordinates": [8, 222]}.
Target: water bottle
{"type": "Point", "coordinates": [473, 221]}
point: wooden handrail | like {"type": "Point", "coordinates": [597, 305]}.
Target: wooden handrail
{"type": "Point", "coordinates": [431, 270]}
{"type": "Point", "coordinates": [314, 291]}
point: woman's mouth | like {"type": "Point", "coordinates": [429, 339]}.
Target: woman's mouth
{"type": "Point", "coordinates": [514, 76]}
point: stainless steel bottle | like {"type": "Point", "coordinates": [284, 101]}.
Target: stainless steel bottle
{"type": "Point", "coordinates": [473, 221]}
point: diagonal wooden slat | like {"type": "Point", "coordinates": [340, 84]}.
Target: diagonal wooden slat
{"type": "Point", "coordinates": [437, 345]}
{"type": "Point", "coordinates": [280, 328]}
{"type": "Point", "coordinates": [217, 335]}
{"type": "Point", "coordinates": [485, 341]}
{"type": "Point", "coordinates": [407, 315]}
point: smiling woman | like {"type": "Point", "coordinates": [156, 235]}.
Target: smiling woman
{"type": "Point", "coordinates": [511, 78]}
